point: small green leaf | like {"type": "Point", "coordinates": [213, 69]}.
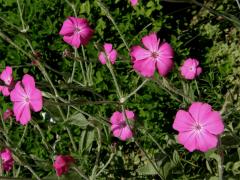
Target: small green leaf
{"type": "Point", "coordinates": [79, 119]}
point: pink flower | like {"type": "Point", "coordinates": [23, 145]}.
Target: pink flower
{"type": "Point", "coordinates": [198, 128]}
{"type": "Point", "coordinates": [7, 114]}
{"type": "Point", "coordinates": [6, 77]}
{"type": "Point", "coordinates": [7, 160]}
{"type": "Point", "coordinates": [155, 54]}
{"type": "Point", "coordinates": [76, 31]}
{"type": "Point", "coordinates": [119, 125]}
{"type": "Point", "coordinates": [26, 96]}
{"type": "Point", "coordinates": [109, 54]}
{"type": "Point", "coordinates": [62, 163]}
{"type": "Point", "coordinates": [190, 69]}
{"type": "Point", "coordinates": [134, 2]}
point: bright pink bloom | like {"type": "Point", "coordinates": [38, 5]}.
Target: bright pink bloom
{"type": "Point", "coordinates": [7, 114]}
{"type": "Point", "coordinates": [109, 54]}
{"type": "Point", "coordinates": [6, 77]}
{"type": "Point", "coordinates": [119, 126]}
{"type": "Point", "coordinates": [26, 96]}
{"type": "Point", "coordinates": [7, 160]}
{"type": "Point", "coordinates": [190, 69]}
{"type": "Point", "coordinates": [198, 128]}
{"type": "Point", "coordinates": [134, 2]}
{"type": "Point", "coordinates": [155, 54]}
{"type": "Point", "coordinates": [76, 31]}
{"type": "Point", "coordinates": [62, 163]}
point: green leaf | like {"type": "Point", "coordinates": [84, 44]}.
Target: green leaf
{"type": "Point", "coordinates": [79, 119]}
{"type": "Point", "coordinates": [147, 169]}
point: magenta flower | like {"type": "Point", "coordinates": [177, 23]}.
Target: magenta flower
{"type": "Point", "coordinates": [190, 69]}
{"type": "Point", "coordinates": [110, 54]}
{"type": "Point", "coordinates": [62, 163]}
{"type": "Point", "coordinates": [155, 54]}
{"type": "Point", "coordinates": [198, 128]}
{"type": "Point", "coordinates": [6, 77]}
{"type": "Point", "coordinates": [26, 96]}
{"type": "Point", "coordinates": [76, 31]}
{"type": "Point", "coordinates": [134, 2]}
{"type": "Point", "coordinates": [7, 159]}
{"type": "Point", "coordinates": [7, 114]}
{"type": "Point", "coordinates": [119, 126]}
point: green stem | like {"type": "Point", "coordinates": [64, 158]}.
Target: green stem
{"type": "Point", "coordinates": [24, 133]}
{"type": "Point", "coordinates": [134, 92]}
{"type": "Point", "coordinates": [98, 154]}
{"type": "Point", "coordinates": [21, 17]}
{"type": "Point", "coordinates": [106, 11]}
{"type": "Point", "coordinates": [196, 84]}
{"type": "Point", "coordinates": [74, 66]}
{"type": "Point", "coordinates": [105, 165]}
{"type": "Point", "coordinates": [221, 159]}
{"type": "Point", "coordinates": [114, 79]}
{"type": "Point", "coordinates": [150, 160]}
{"type": "Point", "coordinates": [80, 173]}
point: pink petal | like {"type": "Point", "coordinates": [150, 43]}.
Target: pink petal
{"type": "Point", "coordinates": [188, 139]}
{"type": "Point", "coordinates": [166, 51]}
{"type": "Point", "coordinates": [126, 134]}
{"type": "Point", "coordinates": [28, 83]}
{"type": "Point", "coordinates": [73, 40]}
{"type": "Point", "coordinates": [199, 71]}
{"type": "Point", "coordinates": [117, 130]}
{"type": "Point", "coordinates": [5, 91]}
{"type": "Point", "coordinates": [134, 2]}
{"type": "Point", "coordinates": [67, 28]}
{"type": "Point", "coordinates": [187, 73]}
{"type": "Point", "coordinates": [36, 102]}
{"type": "Point", "coordinates": [17, 94]}
{"type": "Point", "coordinates": [199, 111]}
{"type": "Point", "coordinates": [164, 66]}
{"type": "Point", "coordinates": [151, 42]}
{"type": "Point", "coordinates": [145, 67]}
{"type": "Point", "coordinates": [183, 121]}
{"type": "Point", "coordinates": [116, 118]}
{"type": "Point", "coordinates": [139, 53]}
{"type": "Point", "coordinates": [130, 114]}
{"type": "Point", "coordinates": [113, 56]}
{"type": "Point", "coordinates": [85, 35]}
{"type": "Point", "coordinates": [213, 123]}
{"type": "Point", "coordinates": [102, 58]}
{"type": "Point", "coordinates": [205, 141]}
{"type": "Point", "coordinates": [80, 22]}
{"type": "Point", "coordinates": [6, 75]}
{"type": "Point", "coordinates": [18, 109]}
{"type": "Point", "coordinates": [107, 47]}
{"type": "Point", "coordinates": [26, 115]}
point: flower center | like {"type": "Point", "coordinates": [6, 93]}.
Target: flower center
{"type": "Point", "coordinates": [123, 125]}
{"type": "Point", "coordinates": [198, 127]}
{"type": "Point", "coordinates": [155, 55]}
{"type": "Point", "coordinates": [27, 99]}
{"type": "Point", "coordinates": [77, 29]}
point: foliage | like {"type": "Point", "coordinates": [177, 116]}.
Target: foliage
{"type": "Point", "coordinates": [82, 124]}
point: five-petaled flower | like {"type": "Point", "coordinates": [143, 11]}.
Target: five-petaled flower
{"type": "Point", "coordinates": [76, 31]}
{"type": "Point", "coordinates": [198, 128]}
{"type": "Point", "coordinates": [6, 77]}
{"type": "Point", "coordinates": [62, 163]}
{"type": "Point", "coordinates": [190, 69]}
{"type": "Point", "coordinates": [7, 159]}
{"type": "Point", "coordinates": [155, 54]}
{"type": "Point", "coordinates": [120, 127]}
{"type": "Point", "coordinates": [109, 54]}
{"type": "Point", "coordinates": [26, 96]}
